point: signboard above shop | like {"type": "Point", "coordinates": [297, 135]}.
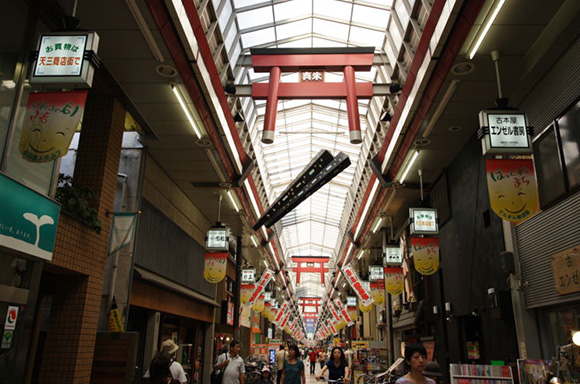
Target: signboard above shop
{"type": "Point", "coordinates": [505, 132]}
{"type": "Point", "coordinates": [217, 239]}
{"type": "Point", "coordinates": [66, 58]}
{"type": "Point", "coordinates": [249, 275]}
{"type": "Point", "coordinates": [424, 221]}
{"type": "Point", "coordinates": [393, 255]}
{"type": "Point", "coordinates": [376, 273]}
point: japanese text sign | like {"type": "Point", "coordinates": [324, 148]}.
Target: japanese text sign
{"type": "Point", "coordinates": [264, 280]}
{"type": "Point", "coordinates": [425, 254]}
{"type": "Point", "coordinates": [375, 273]}
{"type": "Point", "coordinates": [215, 267]}
{"type": "Point", "coordinates": [356, 284]}
{"type": "Point", "coordinates": [280, 313]}
{"type": "Point", "coordinates": [511, 184]}
{"type": "Point", "coordinates": [343, 311]}
{"type": "Point", "coordinates": [248, 275]}
{"type": "Point", "coordinates": [566, 266]}
{"type": "Point", "coordinates": [334, 312]}
{"type": "Point", "coordinates": [315, 76]}
{"type": "Point", "coordinates": [49, 124]}
{"type": "Point", "coordinates": [246, 291]}
{"type": "Point", "coordinates": [393, 255]}
{"type": "Point", "coordinates": [351, 301]}
{"type": "Point", "coordinates": [217, 239]}
{"type": "Point", "coordinates": [504, 132]}
{"type": "Point", "coordinates": [424, 221]}
{"type": "Point", "coordinates": [60, 55]}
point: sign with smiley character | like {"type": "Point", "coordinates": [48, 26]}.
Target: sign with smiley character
{"type": "Point", "coordinates": [215, 267]}
{"type": "Point", "coordinates": [425, 252]}
{"type": "Point", "coordinates": [49, 124]}
{"type": "Point", "coordinates": [394, 280]}
{"type": "Point", "coordinates": [513, 194]}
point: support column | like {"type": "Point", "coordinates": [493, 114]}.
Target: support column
{"type": "Point", "coordinates": [271, 106]}
{"type": "Point", "coordinates": [352, 106]}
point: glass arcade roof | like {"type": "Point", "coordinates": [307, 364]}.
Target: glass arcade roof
{"type": "Point", "coordinates": [303, 127]}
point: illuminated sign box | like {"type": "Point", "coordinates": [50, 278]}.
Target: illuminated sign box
{"type": "Point", "coordinates": [376, 273]}
{"type": "Point", "coordinates": [393, 255]}
{"type": "Point", "coordinates": [249, 276]}
{"type": "Point", "coordinates": [505, 132]}
{"type": "Point", "coordinates": [66, 58]}
{"type": "Point", "coordinates": [424, 221]}
{"type": "Point", "coordinates": [217, 239]}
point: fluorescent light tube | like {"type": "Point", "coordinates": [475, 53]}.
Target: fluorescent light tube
{"type": "Point", "coordinates": [378, 225]}
{"type": "Point", "coordinates": [254, 241]}
{"type": "Point", "coordinates": [360, 255]}
{"type": "Point", "coordinates": [366, 209]}
{"type": "Point", "coordinates": [186, 110]}
{"type": "Point", "coordinates": [233, 200]}
{"type": "Point", "coordinates": [486, 28]}
{"type": "Point", "coordinates": [409, 166]}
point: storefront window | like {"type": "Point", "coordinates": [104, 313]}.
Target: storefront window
{"type": "Point", "coordinates": [11, 46]}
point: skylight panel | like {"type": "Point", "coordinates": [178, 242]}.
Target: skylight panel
{"type": "Point", "coordinates": [244, 3]}
{"type": "Point", "coordinates": [325, 43]}
{"type": "Point", "coordinates": [330, 28]}
{"type": "Point", "coordinates": [370, 16]}
{"type": "Point", "coordinates": [296, 28]}
{"type": "Point", "coordinates": [255, 17]}
{"type": "Point", "coordinates": [366, 37]}
{"type": "Point", "coordinates": [263, 36]}
{"type": "Point", "coordinates": [301, 43]}
{"type": "Point", "coordinates": [333, 9]}
{"type": "Point", "coordinates": [293, 9]}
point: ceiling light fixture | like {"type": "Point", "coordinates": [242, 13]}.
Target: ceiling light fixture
{"type": "Point", "coordinates": [233, 200]}
{"type": "Point", "coordinates": [409, 166]}
{"type": "Point", "coordinates": [252, 198]}
{"type": "Point", "coordinates": [254, 241]}
{"type": "Point", "coordinates": [486, 26]}
{"type": "Point", "coordinates": [366, 209]}
{"type": "Point", "coordinates": [361, 254]}
{"type": "Point", "coordinates": [272, 250]}
{"type": "Point", "coordinates": [186, 110]}
{"type": "Point", "coordinates": [378, 224]}
{"type": "Point", "coordinates": [441, 107]}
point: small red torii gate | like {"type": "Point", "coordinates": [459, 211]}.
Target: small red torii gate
{"type": "Point", "coordinates": [299, 260]}
{"type": "Point", "coordinates": [345, 60]}
{"type": "Point", "coordinates": [306, 302]}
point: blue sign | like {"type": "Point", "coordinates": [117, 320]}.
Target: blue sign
{"type": "Point", "coordinates": [28, 220]}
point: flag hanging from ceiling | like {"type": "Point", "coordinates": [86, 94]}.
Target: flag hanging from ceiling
{"type": "Point", "coordinates": [356, 284]}
{"type": "Point", "coordinates": [425, 252]}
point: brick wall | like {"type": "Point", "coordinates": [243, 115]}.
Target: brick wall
{"type": "Point", "coordinates": [80, 253]}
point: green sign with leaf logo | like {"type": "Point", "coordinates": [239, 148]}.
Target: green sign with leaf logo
{"type": "Point", "coordinates": [28, 220]}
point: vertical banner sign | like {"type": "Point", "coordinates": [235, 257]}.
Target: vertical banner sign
{"type": "Point", "coordinates": [394, 280]}
{"type": "Point", "coordinates": [356, 284]}
{"type": "Point", "coordinates": [425, 254]}
{"type": "Point", "coordinates": [264, 280]}
{"type": "Point", "coordinates": [215, 267]}
{"type": "Point", "coordinates": [334, 313]}
{"type": "Point", "coordinates": [259, 304]}
{"type": "Point", "coordinates": [115, 322]}
{"type": "Point", "coordinates": [352, 312]}
{"type": "Point", "coordinates": [513, 193]}
{"type": "Point", "coordinates": [246, 291]}
{"type": "Point", "coordinates": [50, 121]}
{"type": "Point", "coordinates": [280, 313]}
{"type": "Point", "coordinates": [378, 291]}
{"type": "Point", "coordinates": [285, 319]}
{"type": "Point", "coordinates": [333, 329]}
{"type": "Point", "coordinates": [344, 312]}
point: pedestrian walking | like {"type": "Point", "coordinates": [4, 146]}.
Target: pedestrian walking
{"type": "Point", "coordinates": [279, 360]}
{"type": "Point", "coordinates": [176, 370]}
{"type": "Point", "coordinates": [232, 365]}
{"type": "Point", "coordinates": [416, 359]}
{"type": "Point", "coordinates": [337, 366]}
{"type": "Point", "coordinates": [293, 372]}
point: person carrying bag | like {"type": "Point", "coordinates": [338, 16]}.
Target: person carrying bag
{"type": "Point", "coordinates": [217, 374]}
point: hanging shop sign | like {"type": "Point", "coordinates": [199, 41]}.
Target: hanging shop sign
{"type": "Point", "coordinates": [246, 291]}
{"type": "Point", "coordinates": [230, 313]}
{"type": "Point", "coordinates": [356, 284]}
{"type": "Point", "coordinates": [352, 312]}
{"type": "Point", "coordinates": [28, 220]}
{"type": "Point", "coordinates": [375, 273]}
{"type": "Point", "coordinates": [285, 319]}
{"type": "Point", "coordinates": [424, 221]}
{"type": "Point", "coordinates": [215, 266]}
{"type": "Point", "coordinates": [425, 254]}
{"type": "Point", "coordinates": [566, 267]}
{"type": "Point", "coordinates": [11, 318]}
{"type": "Point", "coordinates": [505, 133]}
{"type": "Point", "coordinates": [249, 276]}
{"type": "Point", "coordinates": [378, 291]}
{"type": "Point", "coordinates": [513, 193]}
{"type": "Point", "coordinates": [66, 58]}
{"type": "Point", "coordinates": [334, 312]}
{"type": "Point", "coordinates": [217, 239]}
{"type": "Point", "coordinates": [351, 301]}
{"type": "Point", "coordinates": [394, 280]}
{"type": "Point", "coordinates": [261, 286]}
{"type": "Point", "coordinates": [332, 329]}
{"type": "Point", "coordinates": [344, 312]}
{"type": "Point", "coordinates": [49, 123]}
{"type": "Point", "coordinates": [393, 255]}
{"type": "Point", "coordinates": [281, 313]}
{"type": "Point", "coordinates": [259, 304]}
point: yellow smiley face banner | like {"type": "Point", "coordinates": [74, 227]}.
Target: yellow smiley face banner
{"type": "Point", "coordinates": [352, 312]}
{"type": "Point", "coordinates": [246, 291]}
{"type": "Point", "coordinates": [378, 291]}
{"type": "Point", "coordinates": [364, 308]}
{"type": "Point", "coordinates": [425, 254]}
{"type": "Point", "coordinates": [259, 304]}
{"type": "Point", "coordinates": [215, 267]}
{"type": "Point", "coordinates": [513, 194]}
{"type": "Point", "coordinates": [394, 280]}
{"type": "Point", "coordinates": [49, 124]}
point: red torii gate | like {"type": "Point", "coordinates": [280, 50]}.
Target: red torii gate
{"type": "Point", "coordinates": [345, 60]}
{"type": "Point", "coordinates": [310, 302]}
{"type": "Point", "coordinates": [299, 260]}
